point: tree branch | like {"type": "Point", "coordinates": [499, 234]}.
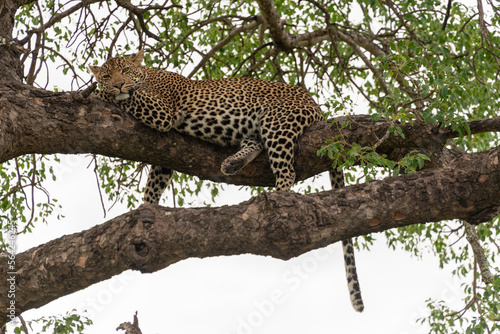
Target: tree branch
{"type": "Point", "coordinates": [55, 19]}
{"type": "Point", "coordinates": [38, 121]}
{"type": "Point", "coordinates": [472, 238]}
{"type": "Point", "coordinates": [277, 224]}
{"type": "Point", "coordinates": [279, 35]}
{"type": "Point", "coordinates": [222, 43]}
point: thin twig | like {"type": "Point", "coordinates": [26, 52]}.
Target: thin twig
{"type": "Point", "coordinates": [56, 19]}
{"type": "Point", "coordinates": [23, 323]}
{"type": "Point", "coordinates": [98, 185]}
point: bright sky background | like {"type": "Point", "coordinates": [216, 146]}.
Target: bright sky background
{"type": "Point", "coordinates": [243, 294]}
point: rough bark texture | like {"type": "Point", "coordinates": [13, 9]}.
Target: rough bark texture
{"type": "Point", "coordinates": [281, 225]}
{"type": "Point", "coordinates": [39, 121]}
{"type": "Point", "coordinates": [44, 122]}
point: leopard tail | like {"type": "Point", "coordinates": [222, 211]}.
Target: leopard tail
{"type": "Point", "coordinates": [337, 181]}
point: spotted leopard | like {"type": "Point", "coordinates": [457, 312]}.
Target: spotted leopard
{"type": "Point", "coordinates": [253, 114]}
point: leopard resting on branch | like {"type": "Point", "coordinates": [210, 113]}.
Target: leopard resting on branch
{"type": "Point", "coordinates": [250, 113]}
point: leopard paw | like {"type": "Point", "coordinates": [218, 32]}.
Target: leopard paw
{"type": "Point", "coordinates": [231, 166]}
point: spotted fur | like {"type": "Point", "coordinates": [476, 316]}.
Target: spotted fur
{"type": "Point", "coordinates": [253, 114]}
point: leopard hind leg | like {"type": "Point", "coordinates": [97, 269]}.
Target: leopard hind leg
{"type": "Point", "coordinates": [281, 157]}
{"type": "Point", "coordinates": [250, 148]}
{"type": "Point", "coordinates": [337, 181]}
{"type": "Point", "coordinates": [158, 180]}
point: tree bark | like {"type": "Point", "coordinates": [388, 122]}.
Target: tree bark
{"type": "Point", "coordinates": [39, 121]}
{"type": "Point", "coordinates": [278, 224]}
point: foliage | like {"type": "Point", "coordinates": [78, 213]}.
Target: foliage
{"type": "Point", "coordinates": [404, 62]}
{"type": "Point", "coordinates": [442, 320]}
{"type": "Point", "coordinates": [70, 323]}
{"type": "Point", "coordinates": [22, 182]}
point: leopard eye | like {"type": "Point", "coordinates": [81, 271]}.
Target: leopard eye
{"type": "Point", "coordinates": [106, 76]}
{"type": "Point", "coordinates": [125, 70]}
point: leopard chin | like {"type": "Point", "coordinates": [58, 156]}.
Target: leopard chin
{"type": "Point", "coordinates": [122, 96]}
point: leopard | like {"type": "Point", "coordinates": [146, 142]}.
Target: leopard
{"type": "Point", "coordinates": [252, 114]}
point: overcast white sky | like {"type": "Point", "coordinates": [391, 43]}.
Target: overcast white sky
{"type": "Point", "coordinates": [243, 294]}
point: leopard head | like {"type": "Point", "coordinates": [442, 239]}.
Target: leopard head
{"type": "Point", "coordinates": [120, 76]}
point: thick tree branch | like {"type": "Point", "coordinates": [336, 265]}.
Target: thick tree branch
{"type": "Point", "coordinates": [278, 224]}
{"type": "Point", "coordinates": [479, 126]}
{"type": "Point", "coordinates": [39, 121]}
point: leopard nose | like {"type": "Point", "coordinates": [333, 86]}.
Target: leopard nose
{"type": "Point", "coordinates": [118, 85]}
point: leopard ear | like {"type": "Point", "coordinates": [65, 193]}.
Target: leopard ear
{"type": "Point", "coordinates": [138, 57]}
{"type": "Point", "coordinates": [95, 70]}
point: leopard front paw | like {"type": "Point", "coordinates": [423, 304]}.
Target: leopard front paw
{"type": "Point", "coordinates": [232, 165]}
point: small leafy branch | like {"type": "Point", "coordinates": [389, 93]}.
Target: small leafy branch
{"type": "Point", "coordinates": [59, 324]}
{"type": "Point", "coordinates": [347, 155]}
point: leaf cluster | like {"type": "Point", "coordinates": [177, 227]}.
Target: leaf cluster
{"type": "Point", "coordinates": [69, 323]}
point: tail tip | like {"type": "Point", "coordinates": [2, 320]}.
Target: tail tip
{"type": "Point", "coordinates": [358, 307]}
